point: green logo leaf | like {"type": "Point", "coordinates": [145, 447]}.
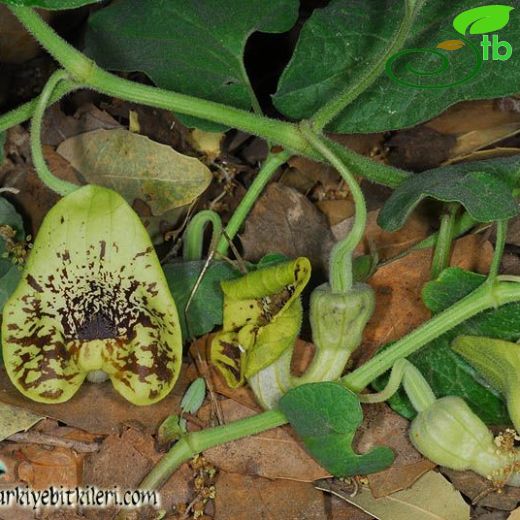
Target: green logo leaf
{"type": "Point", "coordinates": [481, 20]}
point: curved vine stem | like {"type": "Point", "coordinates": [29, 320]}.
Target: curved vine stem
{"type": "Point", "coordinates": [340, 274]}
{"type": "Point", "coordinates": [54, 183]}
{"type": "Point", "coordinates": [442, 252]}
{"type": "Point", "coordinates": [194, 234]}
{"type": "Point", "coordinates": [500, 243]}
{"type": "Point", "coordinates": [86, 72]}
{"type": "Point", "coordinates": [264, 175]}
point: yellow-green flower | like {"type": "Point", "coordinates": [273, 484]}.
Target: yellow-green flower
{"type": "Point", "coordinates": [92, 297]}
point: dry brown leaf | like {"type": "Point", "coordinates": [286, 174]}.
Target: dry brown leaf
{"type": "Point", "coordinates": [124, 460]}
{"type": "Point", "coordinates": [57, 126]}
{"type": "Point", "coordinates": [515, 515]}
{"type": "Point", "coordinates": [469, 116]}
{"type": "Point", "coordinates": [271, 454]}
{"type": "Point", "coordinates": [382, 426]}
{"type": "Point", "coordinates": [43, 467]}
{"type": "Point", "coordinates": [240, 497]}
{"type": "Point", "coordinates": [475, 486]}
{"type": "Point", "coordinates": [336, 211]}
{"type": "Point", "coordinates": [399, 308]}
{"type": "Point", "coordinates": [385, 244]}
{"type": "Point", "coordinates": [285, 221]}
{"type": "Point", "coordinates": [199, 351]}
{"type": "Point", "coordinates": [16, 44]}
{"type": "Point", "coordinates": [419, 148]}
{"type": "Point", "coordinates": [98, 408]}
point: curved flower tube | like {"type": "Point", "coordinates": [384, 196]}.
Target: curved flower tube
{"type": "Point", "coordinates": [92, 297]}
{"type": "Point", "coordinates": [262, 317]}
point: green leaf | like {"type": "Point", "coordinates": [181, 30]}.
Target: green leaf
{"type": "Point", "coordinates": [483, 19]}
{"type": "Point", "coordinates": [326, 417]}
{"type": "Point", "coordinates": [446, 371]}
{"type": "Point", "coordinates": [205, 310]}
{"type": "Point", "coordinates": [338, 43]}
{"type": "Point", "coordinates": [51, 4]}
{"type": "Point", "coordinates": [483, 188]}
{"type": "Point", "coordinates": [194, 396]}
{"type": "Point", "coordinates": [195, 48]}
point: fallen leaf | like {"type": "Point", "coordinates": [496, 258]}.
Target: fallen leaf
{"type": "Point", "coordinates": [126, 459]}
{"type": "Point", "coordinates": [207, 143]}
{"type": "Point", "coordinates": [16, 43]}
{"type": "Point", "coordinates": [14, 419]}
{"type": "Point", "coordinates": [419, 148]}
{"type": "Point", "coordinates": [381, 425]}
{"type": "Point", "coordinates": [469, 116]}
{"type": "Point", "coordinates": [98, 408]}
{"type": "Point", "coordinates": [137, 168]}
{"type": "Point", "coordinates": [385, 244]}
{"type": "Point", "coordinates": [515, 515]}
{"type": "Point", "coordinates": [240, 497]}
{"type": "Point", "coordinates": [285, 221]}
{"type": "Point", "coordinates": [199, 351]}
{"type": "Point", "coordinates": [432, 496]}
{"type": "Point", "coordinates": [399, 307]}
{"type": "Point", "coordinates": [337, 210]}
{"type": "Point", "coordinates": [476, 487]}
{"type": "Point", "coordinates": [43, 467]}
{"type": "Point", "coordinates": [271, 454]}
{"type": "Point", "coordinates": [58, 126]}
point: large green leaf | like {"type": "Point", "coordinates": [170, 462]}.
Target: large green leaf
{"type": "Point", "coordinates": [326, 417]}
{"type": "Point", "coordinates": [446, 371]}
{"type": "Point", "coordinates": [483, 188]}
{"type": "Point", "coordinates": [339, 41]}
{"type": "Point", "coordinates": [194, 48]}
{"type": "Point", "coordinates": [51, 4]}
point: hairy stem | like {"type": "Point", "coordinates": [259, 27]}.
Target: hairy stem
{"type": "Point", "coordinates": [340, 273]}
{"type": "Point", "coordinates": [500, 243]}
{"type": "Point", "coordinates": [442, 253]}
{"type": "Point", "coordinates": [54, 183]}
{"type": "Point", "coordinates": [286, 134]}
{"type": "Point", "coordinates": [197, 442]}
{"type": "Point", "coordinates": [264, 175]}
{"type": "Point", "coordinates": [194, 234]}
{"type": "Point", "coordinates": [337, 104]}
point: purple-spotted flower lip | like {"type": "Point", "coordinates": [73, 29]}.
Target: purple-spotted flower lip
{"type": "Point", "coordinates": [93, 296]}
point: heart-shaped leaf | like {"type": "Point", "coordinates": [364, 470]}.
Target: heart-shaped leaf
{"type": "Point", "coordinates": [195, 48]}
{"type": "Point", "coordinates": [326, 417]}
{"type": "Point", "coordinates": [483, 188]}
{"type": "Point", "coordinates": [483, 19]}
{"type": "Point", "coordinates": [338, 42]}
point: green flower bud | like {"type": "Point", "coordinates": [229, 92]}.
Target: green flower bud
{"type": "Point", "coordinates": [450, 434]}
{"type": "Point", "coordinates": [338, 319]}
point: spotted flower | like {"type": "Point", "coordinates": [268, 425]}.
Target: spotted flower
{"type": "Point", "coordinates": [92, 297]}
